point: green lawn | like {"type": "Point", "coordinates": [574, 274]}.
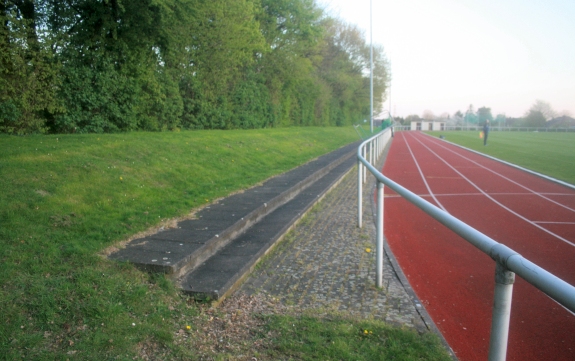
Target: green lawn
{"type": "Point", "coordinates": [339, 338]}
{"type": "Point", "coordinates": [549, 153]}
{"type": "Point", "coordinates": [66, 198]}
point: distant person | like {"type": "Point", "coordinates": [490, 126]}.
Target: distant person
{"type": "Point", "coordinates": [485, 132]}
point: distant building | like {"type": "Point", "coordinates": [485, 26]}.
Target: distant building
{"type": "Point", "coordinates": [428, 125]}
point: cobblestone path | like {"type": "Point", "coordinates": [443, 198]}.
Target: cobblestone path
{"type": "Point", "coordinates": [327, 262]}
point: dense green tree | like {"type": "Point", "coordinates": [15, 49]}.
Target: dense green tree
{"type": "Point", "coordinates": [484, 114]}
{"type": "Point", "coordinates": [122, 65]}
{"type": "Point", "coordinates": [224, 42]}
{"type": "Point", "coordinates": [114, 55]}
{"type": "Point", "coordinates": [293, 35]}
{"type": "Point", "coordinates": [534, 118]}
{"type": "Point", "coordinates": [28, 72]}
{"type": "Point", "coordinates": [345, 67]}
{"type": "Point", "coordinates": [470, 117]}
{"type": "Point", "coordinates": [544, 108]}
{"type": "Point", "coordinates": [500, 119]}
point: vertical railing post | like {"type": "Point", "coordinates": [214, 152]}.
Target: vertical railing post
{"type": "Point", "coordinates": [363, 154]}
{"type": "Point", "coordinates": [504, 280]}
{"type": "Point", "coordinates": [371, 152]}
{"type": "Point", "coordinates": [379, 255]}
{"type": "Point", "coordinates": [359, 192]}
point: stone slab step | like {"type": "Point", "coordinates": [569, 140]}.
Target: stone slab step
{"type": "Point", "coordinates": [178, 250]}
{"type": "Point", "coordinates": [218, 276]}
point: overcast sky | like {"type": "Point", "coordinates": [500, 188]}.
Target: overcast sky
{"type": "Point", "coordinates": [448, 54]}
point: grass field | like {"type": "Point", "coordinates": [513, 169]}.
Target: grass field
{"type": "Point", "coordinates": [64, 199]}
{"type": "Point", "coordinates": [549, 153]}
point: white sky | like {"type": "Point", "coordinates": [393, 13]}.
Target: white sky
{"type": "Point", "coordinates": [448, 54]}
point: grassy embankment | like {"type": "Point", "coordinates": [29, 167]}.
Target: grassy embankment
{"type": "Point", "coordinates": [66, 198]}
{"type": "Point", "coordinates": [549, 153]}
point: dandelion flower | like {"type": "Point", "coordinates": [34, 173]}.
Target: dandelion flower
{"type": "Point", "coordinates": [121, 178]}
{"type": "Point", "coordinates": [188, 327]}
{"type": "Point", "coordinates": [365, 332]}
{"type": "Point", "coordinates": [368, 250]}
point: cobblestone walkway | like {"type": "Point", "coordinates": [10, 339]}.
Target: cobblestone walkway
{"type": "Point", "coordinates": [327, 262]}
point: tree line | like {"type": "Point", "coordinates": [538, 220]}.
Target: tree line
{"type": "Point", "coordinates": [539, 115]}
{"type": "Point", "coordinates": [93, 66]}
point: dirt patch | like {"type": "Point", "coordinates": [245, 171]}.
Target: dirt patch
{"type": "Point", "coordinates": [234, 328]}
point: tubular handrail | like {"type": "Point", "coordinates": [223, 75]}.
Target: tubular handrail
{"type": "Point", "coordinates": [508, 262]}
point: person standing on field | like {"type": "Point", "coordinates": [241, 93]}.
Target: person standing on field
{"type": "Point", "coordinates": [485, 132]}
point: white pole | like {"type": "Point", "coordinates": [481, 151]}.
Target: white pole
{"type": "Point", "coordinates": [379, 254]}
{"type": "Point", "coordinates": [371, 64]}
{"type": "Point", "coordinates": [499, 336]}
{"type": "Point", "coordinates": [359, 192]}
{"type": "Point", "coordinates": [389, 91]}
{"type": "Point", "coordinates": [364, 154]}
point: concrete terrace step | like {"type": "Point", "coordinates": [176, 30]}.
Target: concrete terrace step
{"type": "Point", "coordinates": [180, 250]}
{"type": "Point", "coordinates": [223, 272]}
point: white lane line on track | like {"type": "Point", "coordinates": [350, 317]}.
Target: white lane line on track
{"type": "Point", "coordinates": [473, 194]}
{"type": "Point", "coordinates": [565, 308]}
{"type": "Point", "coordinates": [504, 177]}
{"type": "Point", "coordinates": [463, 194]}
{"type": "Point", "coordinates": [546, 222]}
{"type": "Point", "coordinates": [494, 200]}
{"type": "Point", "coordinates": [422, 176]}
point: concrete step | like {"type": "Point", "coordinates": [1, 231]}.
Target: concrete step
{"type": "Point", "coordinates": [179, 250]}
{"type": "Point", "coordinates": [222, 273]}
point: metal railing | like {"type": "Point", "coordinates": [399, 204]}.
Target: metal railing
{"type": "Point", "coordinates": [508, 262]}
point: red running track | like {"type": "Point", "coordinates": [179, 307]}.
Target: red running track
{"type": "Point", "coordinates": [453, 279]}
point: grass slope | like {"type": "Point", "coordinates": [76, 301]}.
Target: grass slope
{"type": "Point", "coordinates": [64, 199]}
{"type": "Point", "coordinates": [339, 338]}
{"type": "Point", "coordinates": [549, 153]}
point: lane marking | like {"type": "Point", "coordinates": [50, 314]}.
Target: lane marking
{"type": "Point", "coordinates": [433, 177]}
{"type": "Point", "coordinates": [495, 201]}
{"type": "Point", "coordinates": [463, 194]}
{"type": "Point", "coordinates": [422, 176]}
{"type": "Point", "coordinates": [502, 176]}
{"type": "Point", "coordinates": [557, 302]}
{"type": "Point", "coordinates": [473, 194]}
{"type": "Point", "coordinates": [548, 222]}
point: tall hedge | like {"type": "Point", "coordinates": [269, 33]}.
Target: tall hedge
{"type": "Point", "coordinates": [123, 65]}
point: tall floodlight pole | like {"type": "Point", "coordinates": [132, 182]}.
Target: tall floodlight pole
{"type": "Point", "coordinates": [370, 66]}
{"type": "Point", "coordinates": [390, 89]}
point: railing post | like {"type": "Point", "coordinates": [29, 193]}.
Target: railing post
{"type": "Point", "coordinates": [371, 152]}
{"type": "Point", "coordinates": [504, 280]}
{"type": "Point", "coordinates": [359, 192]}
{"type": "Point", "coordinates": [364, 173]}
{"type": "Point", "coordinates": [379, 255]}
